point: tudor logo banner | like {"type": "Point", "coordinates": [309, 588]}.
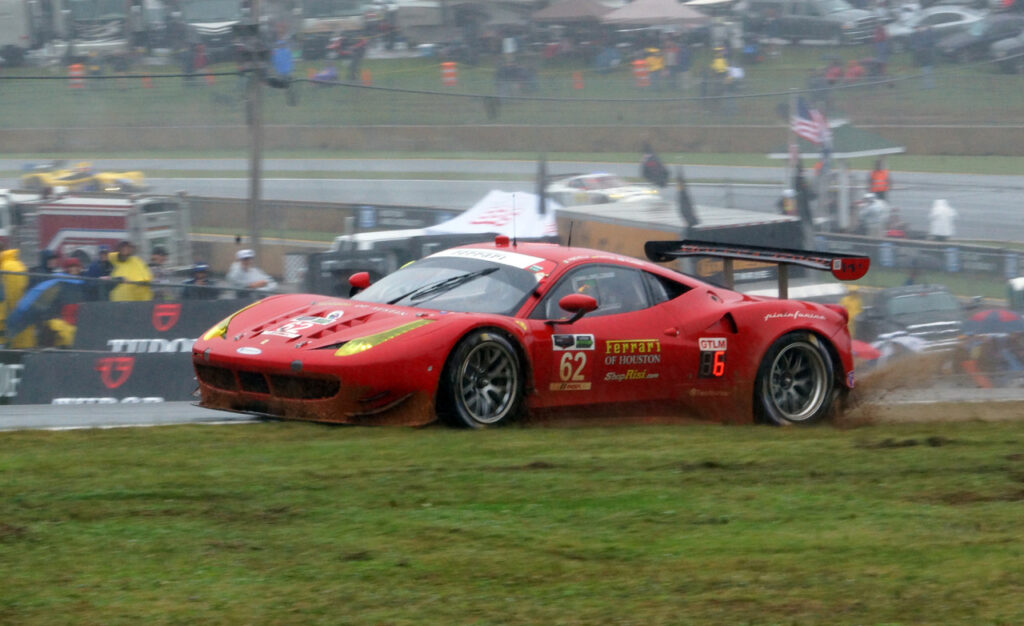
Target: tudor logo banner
{"type": "Point", "coordinates": [165, 316]}
{"type": "Point", "coordinates": [66, 377]}
{"type": "Point", "coordinates": [115, 370]}
{"type": "Point", "coordinates": [116, 326]}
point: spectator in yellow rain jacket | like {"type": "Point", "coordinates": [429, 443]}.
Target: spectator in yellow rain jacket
{"type": "Point", "coordinates": [14, 289]}
{"type": "Point", "coordinates": [655, 65]}
{"type": "Point", "coordinates": [128, 267]}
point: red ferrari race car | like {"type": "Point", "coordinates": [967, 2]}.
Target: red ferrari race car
{"type": "Point", "coordinates": [478, 335]}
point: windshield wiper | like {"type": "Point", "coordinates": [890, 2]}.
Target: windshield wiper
{"type": "Point", "coordinates": [433, 289]}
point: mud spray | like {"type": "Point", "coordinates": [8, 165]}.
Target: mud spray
{"type": "Point", "coordinates": [921, 389]}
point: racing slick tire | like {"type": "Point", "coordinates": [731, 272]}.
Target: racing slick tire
{"type": "Point", "coordinates": [482, 383]}
{"type": "Point", "coordinates": [795, 383]}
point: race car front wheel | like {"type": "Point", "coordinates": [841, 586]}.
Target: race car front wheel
{"type": "Point", "coordinates": [482, 383]}
{"type": "Point", "coordinates": [795, 382]}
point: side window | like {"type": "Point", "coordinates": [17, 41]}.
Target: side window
{"type": "Point", "coordinates": [662, 289]}
{"type": "Point", "coordinates": [616, 289]}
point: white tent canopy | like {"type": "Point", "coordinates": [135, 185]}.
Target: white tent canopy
{"type": "Point", "coordinates": [656, 13]}
{"type": "Point", "coordinates": [514, 214]}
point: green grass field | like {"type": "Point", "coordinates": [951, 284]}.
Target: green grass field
{"type": "Point", "coordinates": [302, 524]}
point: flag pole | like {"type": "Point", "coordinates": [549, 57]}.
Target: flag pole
{"type": "Point", "coordinates": [792, 142]}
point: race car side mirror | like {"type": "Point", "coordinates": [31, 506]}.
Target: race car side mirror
{"type": "Point", "coordinates": [359, 280]}
{"type": "Point", "coordinates": [578, 304]}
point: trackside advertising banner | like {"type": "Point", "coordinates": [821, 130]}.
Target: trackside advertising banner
{"type": "Point", "coordinates": [148, 327]}
{"type": "Point", "coordinates": [98, 378]}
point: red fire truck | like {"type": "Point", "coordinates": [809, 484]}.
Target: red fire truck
{"type": "Point", "coordinates": [77, 224]}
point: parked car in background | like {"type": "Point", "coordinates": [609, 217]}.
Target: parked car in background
{"type": "Point", "coordinates": [797, 20]}
{"type": "Point", "coordinates": [599, 188]}
{"type": "Point", "coordinates": [943, 20]}
{"type": "Point", "coordinates": [928, 314]}
{"type": "Point", "coordinates": [973, 44]}
{"type": "Point", "coordinates": [1009, 54]}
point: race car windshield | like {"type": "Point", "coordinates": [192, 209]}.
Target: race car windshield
{"type": "Point", "coordinates": [454, 284]}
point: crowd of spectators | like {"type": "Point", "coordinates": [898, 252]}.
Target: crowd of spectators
{"type": "Point", "coordinates": [38, 305]}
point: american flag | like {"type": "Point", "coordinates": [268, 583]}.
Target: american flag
{"type": "Point", "coordinates": [810, 123]}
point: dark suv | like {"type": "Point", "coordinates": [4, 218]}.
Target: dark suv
{"type": "Point", "coordinates": [929, 313]}
{"type": "Point", "coordinates": [828, 20]}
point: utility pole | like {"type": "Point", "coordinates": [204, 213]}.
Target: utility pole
{"type": "Point", "coordinates": [255, 67]}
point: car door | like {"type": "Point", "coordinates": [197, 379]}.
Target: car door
{"type": "Point", "coordinates": [621, 352]}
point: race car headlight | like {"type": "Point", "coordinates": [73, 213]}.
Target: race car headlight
{"type": "Point", "coordinates": [363, 344]}
{"type": "Point", "coordinates": [221, 329]}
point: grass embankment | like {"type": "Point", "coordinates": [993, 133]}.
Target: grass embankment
{"type": "Point", "coordinates": [294, 523]}
{"type": "Point", "coordinates": [607, 98]}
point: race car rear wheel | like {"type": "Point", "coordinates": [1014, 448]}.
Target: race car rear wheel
{"type": "Point", "coordinates": [795, 383]}
{"type": "Point", "coordinates": [482, 384]}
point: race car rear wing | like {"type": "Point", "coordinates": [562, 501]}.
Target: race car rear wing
{"type": "Point", "coordinates": [843, 267]}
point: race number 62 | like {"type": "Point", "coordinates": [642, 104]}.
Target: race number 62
{"type": "Point", "coordinates": [571, 367]}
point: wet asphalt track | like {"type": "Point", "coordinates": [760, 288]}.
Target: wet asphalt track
{"type": "Point", "coordinates": [989, 205]}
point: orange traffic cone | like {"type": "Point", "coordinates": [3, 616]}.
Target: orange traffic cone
{"type": "Point", "coordinates": [366, 77]}
{"type": "Point", "coordinates": [147, 82]}
{"type": "Point", "coordinates": [577, 80]}
{"type": "Point", "coordinates": [76, 74]}
{"type": "Point", "coordinates": [449, 74]}
{"type": "Point", "coordinates": [209, 78]}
